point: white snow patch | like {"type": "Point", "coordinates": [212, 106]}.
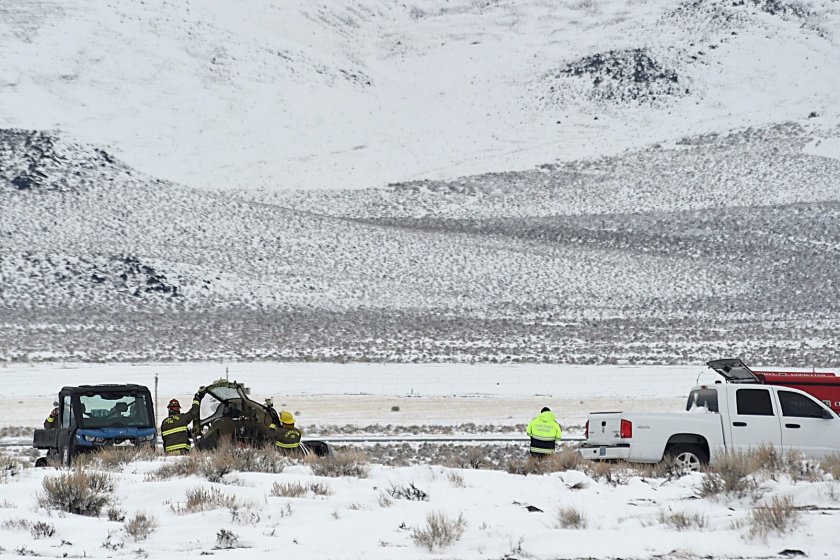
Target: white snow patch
{"type": "Point", "coordinates": [825, 147]}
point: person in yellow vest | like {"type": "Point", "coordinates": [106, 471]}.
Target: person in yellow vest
{"type": "Point", "coordinates": [287, 437]}
{"type": "Point", "coordinates": [50, 422]}
{"type": "Point", "coordinates": [545, 432]}
{"type": "Point", "coordinates": [174, 430]}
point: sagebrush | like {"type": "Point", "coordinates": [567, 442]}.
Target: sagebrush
{"type": "Point", "coordinates": [77, 491]}
{"type": "Point", "coordinates": [778, 517]}
{"type": "Point", "coordinates": [440, 530]}
{"type": "Point", "coordinates": [9, 466]}
{"type": "Point", "coordinates": [683, 520]}
{"type": "Point", "coordinates": [831, 465]}
{"type": "Point", "coordinates": [215, 464]}
{"type": "Point", "coordinates": [731, 474]}
{"type": "Point", "coordinates": [564, 460]}
{"type": "Point", "coordinates": [298, 489]}
{"type": "Point", "coordinates": [226, 539]}
{"type": "Point", "coordinates": [571, 518]}
{"type": "Point", "coordinates": [407, 492]}
{"type": "Point", "coordinates": [348, 463]}
{"type": "Point", "coordinates": [205, 499]}
{"type": "Point", "coordinates": [140, 526]}
{"type": "Point", "coordinates": [112, 458]}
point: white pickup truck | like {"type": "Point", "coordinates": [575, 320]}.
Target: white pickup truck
{"type": "Point", "coordinates": [719, 417]}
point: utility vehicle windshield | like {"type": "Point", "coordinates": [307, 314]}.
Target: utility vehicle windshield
{"type": "Point", "coordinates": [108, 410]}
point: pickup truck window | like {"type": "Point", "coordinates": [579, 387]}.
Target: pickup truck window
{"type": "Point", "coordinates": [794, 404]}
{"type": "Point", "coordinates": [754, 402]}
{"type": "Point", "coordinates": [703, 398]}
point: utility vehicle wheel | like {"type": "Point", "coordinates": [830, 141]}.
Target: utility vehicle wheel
{"type": "Point", "coordinates": [41, 462]}
{"type": "Point", "coordinates": [687, 457]}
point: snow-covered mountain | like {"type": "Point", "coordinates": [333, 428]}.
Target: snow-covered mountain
{"type": "Point", "coordinates": [353, 93]}
{"type": "Point", "coordinates": [580, 182]}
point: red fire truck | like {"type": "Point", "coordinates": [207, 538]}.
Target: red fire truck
{"type": "Point", "coordinates": [824, 385]}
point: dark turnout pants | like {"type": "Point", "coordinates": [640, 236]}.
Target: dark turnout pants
{"type": "Point", "coordinates": [541, 448]}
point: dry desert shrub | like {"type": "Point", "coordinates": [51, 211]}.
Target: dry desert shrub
{"type": "Point", "coordinates": [778, 517]}
{"type": "Point", "coordinates": [611, 472]}
{"type": "Point", "coordinates": [347, 463]}
{"type": "Point", "coordinates": [667, 468]}
{"type": "Point", "coordinates": [115, 514]}
{"type": "Point", "coordinates": [683, 521]}
{"type": "Point", "coordinates": [225, 459]}
{"type": "Point", "coordinates": [42, 530]}
{"type": "Point", "coordinates": [801, 469]}
{"type": "Point", "coordinates": [288, 490]}
{"type": "Point", "coordinates": [831, 465]}
{"type": "Point", "coordinates": [475, 457]}
{"type": "Point", "coordinates": [384, 500]}
{"type": "Point", "coordinates": [176, 467]}
{"type": "Point", "coordinates": [320, 488]}
{"type": "Point", "coordinates": [564, 460]}
{"type": "Point", "coordinates": [407, 492]}
{"type": "Point", "coordinates": [14, 524]}
{"type": "Point", "coordinates": [252, 459]}
{"type": "Point", "coordinates": [456, 479]}
{"type": "Point", "coordinates": [732, 474]}
{"type": "Point", "coordinates": [226, 539]}
{"type": "Point", "coordinates": [298, 490]}
{"type": "Point", "coordinates": [440, 530]}
{"type": "Point", "coordinates": [112, 458]}
{"type": "Point", "coordinates": [571, 518]}
{"type": "Point", "coordinates": [206, 499]}
{"type": "Point", "coordinates": [38, 530]}
{"type": "Point", "coordinates": [10, 466]}
{"type": "Point", "coordinates": [77, 491]}
{"type": "Point", "coordinates": [140, 526]}
{"type": "Point", "coordinates": [766, 458]}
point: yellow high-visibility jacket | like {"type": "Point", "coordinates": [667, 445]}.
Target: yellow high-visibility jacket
{"type": "Point", "coordinates": [545, 432]}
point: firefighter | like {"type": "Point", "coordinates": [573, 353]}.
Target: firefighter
{"type": "Point", "coordinates": [287, 437]}
{"type": "Point", "coordinates": [545, 432]}
{"type": "Point", "coordinates": [173, 429]}
{"type": "Point", "coordinates": [49, 423]}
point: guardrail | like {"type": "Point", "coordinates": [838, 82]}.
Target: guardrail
{"type": "Point", "coordinates": [361, 438]}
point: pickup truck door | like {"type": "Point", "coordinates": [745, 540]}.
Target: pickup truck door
{"type": "Point", "coordinates": [807, 425]}
{"type": "Point", "coordinates": [753, 418]}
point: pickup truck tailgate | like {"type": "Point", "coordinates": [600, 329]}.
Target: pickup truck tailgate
{"type": "Point", "coordinates": [604, 428]}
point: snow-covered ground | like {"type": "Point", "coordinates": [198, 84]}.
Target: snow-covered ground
{"type": "Point", "coordinates": [628, 516]}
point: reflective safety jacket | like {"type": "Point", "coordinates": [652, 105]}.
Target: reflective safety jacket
{"type": "Point", "coordinates": [174, 431]}
{"type": "Point", "coordinates": [49, 423]}
{"type": "Point", "coordinates": [544, 431]}
{"type": "Point", "coordinates": [287, 438]}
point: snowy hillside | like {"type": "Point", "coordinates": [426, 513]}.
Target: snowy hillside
{"type": "Point", "coordinates": [356, 93]}
{"type": "Point", "coordinates": [513, 181]}
{"type": "Point", "coordinates": [103, 262]}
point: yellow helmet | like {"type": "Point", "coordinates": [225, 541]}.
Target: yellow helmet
{"type": "Point", "coordinates": [287, 417]}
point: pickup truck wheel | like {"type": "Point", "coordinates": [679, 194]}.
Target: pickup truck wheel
{"type": "Point", "coordinates": [688, 457]}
